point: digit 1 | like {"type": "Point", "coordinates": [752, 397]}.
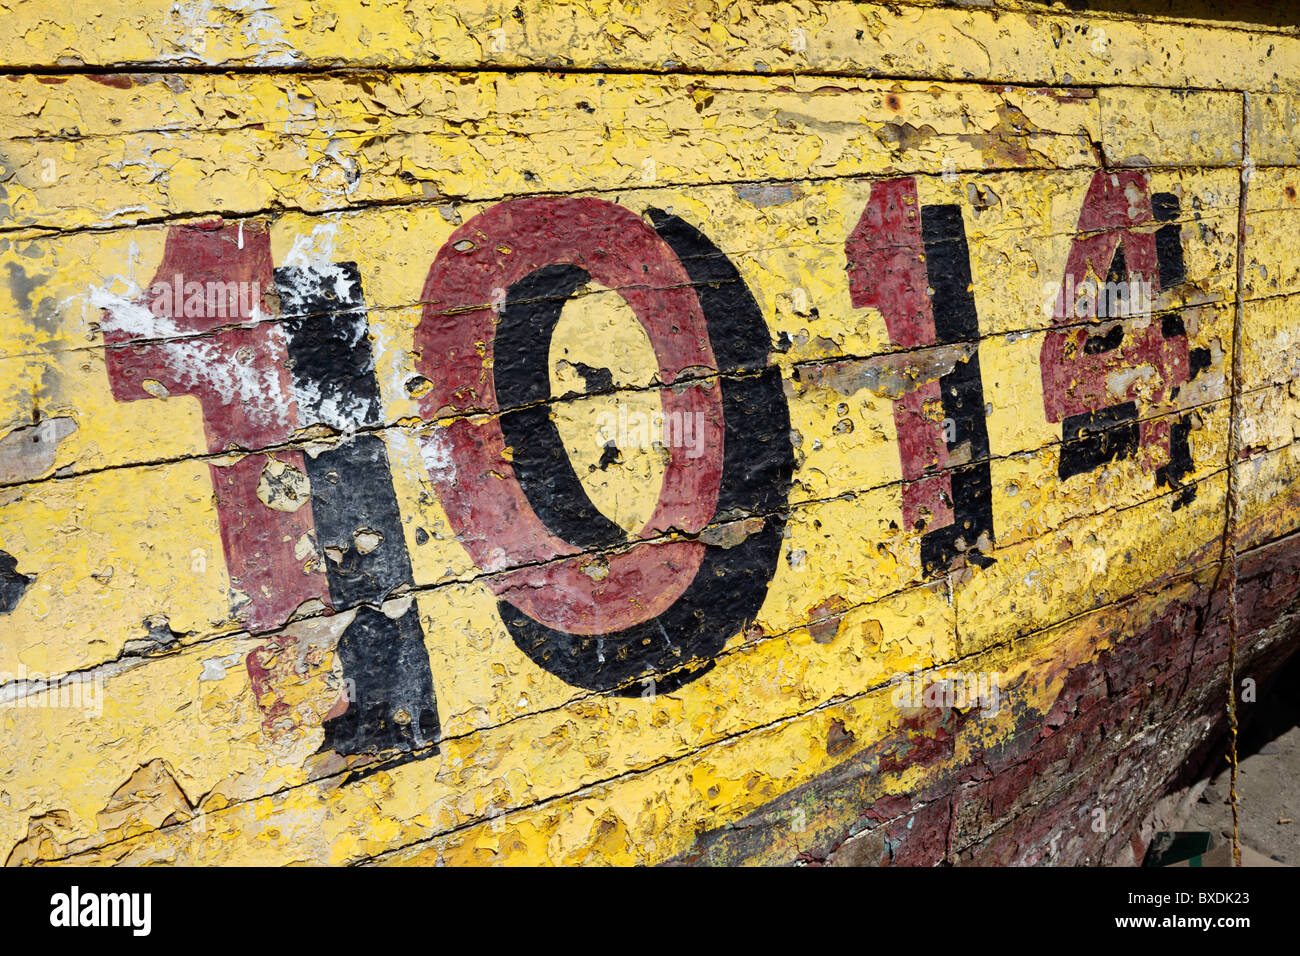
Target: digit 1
{"type": "Point", "coordinates": [911, 263]}
{"type": "Point", "coordinates": [182, 340]}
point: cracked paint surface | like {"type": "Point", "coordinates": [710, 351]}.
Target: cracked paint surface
{"type": "Point", "coordinates": [342, 515]}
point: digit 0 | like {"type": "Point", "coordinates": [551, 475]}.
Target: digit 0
{"type": "Point", "coordinates": [666, 601]}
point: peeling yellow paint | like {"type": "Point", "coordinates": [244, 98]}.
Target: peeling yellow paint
{"type": "Point", "coordinates": [763, 126]}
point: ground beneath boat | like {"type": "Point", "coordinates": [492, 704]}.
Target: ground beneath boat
{"type": "Point", "coordinates": [1268, 776]}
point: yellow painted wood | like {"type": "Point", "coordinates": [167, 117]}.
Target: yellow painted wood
{"type": "Point", "coordinates": [923, 40]}
{"type": "Point", "coordinates": [765, 125]}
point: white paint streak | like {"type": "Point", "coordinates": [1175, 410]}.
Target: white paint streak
{"type": "Point", "coordinates": [196, 361]}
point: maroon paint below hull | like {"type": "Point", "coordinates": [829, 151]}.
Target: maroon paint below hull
{"type": "Point", "coordinates": [1132, 723]}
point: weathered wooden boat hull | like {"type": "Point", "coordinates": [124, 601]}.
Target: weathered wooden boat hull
{"type": "Point", "coordinates": [624, 433]}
